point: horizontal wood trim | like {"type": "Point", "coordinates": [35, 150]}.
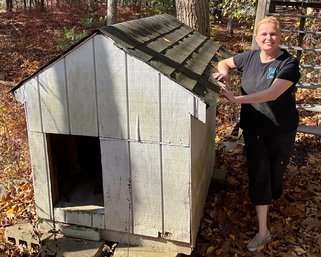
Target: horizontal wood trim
{"type": "Point", "coordinates": [315, 4]}
{"type": "Point", "coordinates": [293, 15]}
{"type": "Point", "coordinates": [301, 31]}
{"type": "Point", "coordinates": [310, 107]}
{"type": "Point", "coordinates": [315, 130]}
{"type": "Point", "coordinates": [308, 86]}
{"type": "Point", "coordinates": [300, 48]}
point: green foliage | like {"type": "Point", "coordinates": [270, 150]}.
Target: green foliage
{"type": "Point", "coordinates": [67, 37]}
{"type": "Point", "coordinates": [153, 7]}
{"type": "Point", "coordinates": [241, 11]}
{"type": "Point", "coordinates": [94, 22]}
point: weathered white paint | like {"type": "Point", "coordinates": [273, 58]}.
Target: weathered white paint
{"type": "Point", "coordinates": [143, 95]}
{"type": "Point", "coordinates": [98, 219]}
{"type": "Point", "coordinates": [176, 107]}
{"type": "Point", "coordinates": [177, 192]}
{"type": "Point", "coordinates": [32, 105]}
{"type": "Point", "coordinates": [116, 181]}
{"type": "Point", "coordinates": [202, 162]}
{"type": "Point", "coordinates": [53, 99]}
{"type": "Point", "coordinates": [41, 178]}
{"type": "Point", "coordinates": [83, 218]}
{"type": "Point", "coordinates": [111, 89]}
{"type": "Point", "coordinates": [88, 215]}
{"type": "Point", "coordinates": [157, 160]}
{"type": "Point", "coordinates": [146, 188]}
{"type": "Point", "coordinates": [200, 110]}
{"type": "Point", "coordinates": [82, 90]}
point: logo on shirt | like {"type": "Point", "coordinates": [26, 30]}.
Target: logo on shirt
{"type": "Point", "coordinates": [271, 73]}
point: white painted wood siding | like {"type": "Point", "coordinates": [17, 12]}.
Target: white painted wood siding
{"type": "Point", "coordinates": [81, 86]}
{"type": "Point", "coordinates": [177, 192]}
{"type": "Point", "coordinates": [202, 161]}
{"type": "Point", "coordinates": [32, 106]}
{"type": "Point", "coordinates": [116, 181]}
{"type": "Point", "coordinates": [111, 89]}
{"type": "Point", "coordinates": [150, 183]}
{"type": "Point", "coordinates": [143, 95]}
{"type": "Point", "coordinates": [157, 159]}
{"type": "Point", "coordinates": [53, 99]}
{"type": "Point", "coordinates": [146, 188]}
{"type": "Point", "coordinates": [40, 172]}
{"type": "Point", "coordinates": [176, 108]}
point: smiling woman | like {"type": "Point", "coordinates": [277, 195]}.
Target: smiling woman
{"type": "Point", "coordinates": [269, 118]}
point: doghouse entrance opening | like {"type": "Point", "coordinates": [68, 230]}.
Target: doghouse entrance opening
{"type": "Point", "coordinates": [75, 169]}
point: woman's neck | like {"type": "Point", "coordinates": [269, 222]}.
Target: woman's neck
{"type": "Point", "coordinates": [267, 56]}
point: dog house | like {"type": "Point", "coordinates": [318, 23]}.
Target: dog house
{"type": "Point", "coordinates": [121, 131]}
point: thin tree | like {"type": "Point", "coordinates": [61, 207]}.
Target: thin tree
{"type": "Point", "coordinates": [111, 12]}
{"type": "Point", "coordinates": [194, 13]}
{"type": "Point", "coordinates": [9, 5]}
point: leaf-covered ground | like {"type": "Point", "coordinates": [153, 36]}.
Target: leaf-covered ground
{"type": "Point", "coordinates": [26, 43]}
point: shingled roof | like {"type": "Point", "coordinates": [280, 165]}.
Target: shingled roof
{"type": "Point", "coordinates": [168, 45]}
{"type": "Point", "coordinates": [173, 48]}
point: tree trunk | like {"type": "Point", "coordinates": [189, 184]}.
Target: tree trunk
{"type": "Point", "coordinates": [111, 12]}
{"type": "Point", "coordinates": [230, 27]}
{"type": "Point", "coordinates": [194, 13]}
{"type": "Point", "coordinates": [9, 5]}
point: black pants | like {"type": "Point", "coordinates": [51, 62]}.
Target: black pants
{"type": "Point", "coordinates": [267, 157]}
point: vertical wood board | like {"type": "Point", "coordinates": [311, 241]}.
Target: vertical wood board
{"type": "Point", "coordinates": [116, 181]}
{"type": "Point", "coordinates": [111, 88]}
{"type": "Point", "coordinates": [203, 159]}
{"type": "Point", "coordinates": [146, 188]}
{"type": "Point", "coordinates": [176, 107]}
{"type": "Point", "coordinates": [200, 110]}
{"type": "Point", "coordinates": [53, 99]}
{"type": "Point", "coordinates": [143, 90]}
{"type": "Point", "coordinates": [177, 192]}
{"type": "Point", "coordinates": [261, 10]}
{"type": "Point", "coordinates": [32, 106]}
{"type": "Point", "coordinates": [41, 176]}
{"type": "Point", "coordinates": [82, 90]}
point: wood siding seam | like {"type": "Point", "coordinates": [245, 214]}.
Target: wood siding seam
{"type": "Point", "coordinates": [26, 109]}
{"type": "Point", "coordinates": [195, 107]}
{"type": "Point", "coordinates": [130, 189]}
{"type": "Point", "coordinates": [39, 102]}
{"type": "Point", "coordinates": [147, 141]}
{"type": "Point", "coordinates": [67, 96]}
{"type": "Point", "coordinates": [51, 207]}
{"type": "Point", "coordinates": [95, 86]}
{"type": "Point", "coordinates": [127, 95]}
{"type": "Point", "coordinates": [161, 151]}
{"type": "Point", "coordinates": [191, 205]}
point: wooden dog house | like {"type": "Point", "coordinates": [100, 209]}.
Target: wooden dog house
{"type": "Point", "coordinates": [121, 131]}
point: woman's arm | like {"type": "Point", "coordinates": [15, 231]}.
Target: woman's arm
{"type": "Point", "coordinates": [223, 68]}
{"type": "Point", "coordinates": [278, 87]}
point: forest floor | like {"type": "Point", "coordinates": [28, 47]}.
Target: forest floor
{"type": "Point", "coordinates": [27, 42]}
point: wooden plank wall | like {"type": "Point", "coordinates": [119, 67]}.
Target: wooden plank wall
{"type": "Point", "coordinates": [203, 159]}
{"type": "Point", "coordinates": [144, 122]}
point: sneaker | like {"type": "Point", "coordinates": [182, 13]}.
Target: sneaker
{"type": "Point", "coordinates": [257, 241]}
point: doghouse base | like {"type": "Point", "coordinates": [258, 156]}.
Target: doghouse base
{"type": "Point", "coordinates": [136, 244]}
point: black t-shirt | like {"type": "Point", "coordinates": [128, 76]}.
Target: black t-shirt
{"type": "Point", "coordinates": [279, 115]}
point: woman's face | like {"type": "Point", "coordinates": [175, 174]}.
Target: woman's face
{"type": "Point", "coordinates": [268, 37]}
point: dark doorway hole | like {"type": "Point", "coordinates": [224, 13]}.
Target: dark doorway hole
{"type": "Point", "coordinates": [75, 169]}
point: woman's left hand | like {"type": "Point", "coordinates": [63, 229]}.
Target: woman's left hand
{"type": "Point", "coordinates": [227, 93]}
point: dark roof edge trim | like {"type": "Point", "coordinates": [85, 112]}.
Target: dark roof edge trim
{"type": "Point", "coordinates": [87, 37]}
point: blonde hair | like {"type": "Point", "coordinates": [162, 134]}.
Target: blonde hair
{"type": "Point", "coordinates": [268, 20]}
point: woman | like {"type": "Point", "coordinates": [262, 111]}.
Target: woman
{"type": "Point", "coordinates": [268, 116]}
